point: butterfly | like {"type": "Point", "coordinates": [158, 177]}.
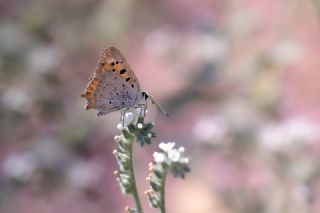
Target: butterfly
{"type": "Point", "coordinates": [113, 86]}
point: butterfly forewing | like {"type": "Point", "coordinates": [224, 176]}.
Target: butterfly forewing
{"type": "Point", "coordinates": [113, 85]}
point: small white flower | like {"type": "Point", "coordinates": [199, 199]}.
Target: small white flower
{"type": "Point", "coordinates": [139, 125]}
{"type": "Point", "coordinates": [166, 146]}
{"type": "Point", "coordinates": [119, 126]}
{"type": "Point", "coordinates": [118, 138]}
{"type": "Point", "coordinates": [174, 155]}
{"type": "Point", "coordinates": [184, 160]}
{"type": "Point", "coordinates": [149, 135]}
{"type": "Point", "coordinates": [158, 157]}
{"type": "Point", "coordinates": [181, 149]}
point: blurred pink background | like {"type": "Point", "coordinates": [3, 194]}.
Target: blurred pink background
{"type": "Point", "coordinates": [240, 80]}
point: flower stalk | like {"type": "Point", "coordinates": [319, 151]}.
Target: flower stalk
{"type": "Point", "coordinates": [133, 129]}
{"type": "Point", "coordinates": [135, 193]}
{"type": "Point", "coordinates": [162, 194]}
{"type": "Point", "coordinates": [167, 160]}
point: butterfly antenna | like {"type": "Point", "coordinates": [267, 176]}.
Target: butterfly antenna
{"type": "Point", "coordinates": [154, 101]}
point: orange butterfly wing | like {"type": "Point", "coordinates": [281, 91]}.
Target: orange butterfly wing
{"type": "Point", "coordinates": [112, 64]}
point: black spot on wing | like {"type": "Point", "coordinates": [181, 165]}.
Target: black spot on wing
{"type": "Point", "coordinates": [123, 71]}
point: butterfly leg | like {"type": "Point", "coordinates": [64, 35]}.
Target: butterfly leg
{"type": "Point", "coordinates": [122, 114]}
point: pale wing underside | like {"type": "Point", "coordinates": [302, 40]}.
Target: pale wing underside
{"type": "Point", "coordinates": [113, 86]}
{"type": "Point", "coordinates": [114, 93]}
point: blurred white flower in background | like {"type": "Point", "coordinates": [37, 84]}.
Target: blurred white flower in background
{"type": "Point", "coordinates": [206, 47]}
{"type": "Point", "coordinates": [20, 166]}
{"type": "Point", "coordinates": [17, 99]}
{"type": "Point", "coordinates": [242, 22]}
{"type": "Point", "coordinates": [44, 59]}
{"type": "Point", "coordinates": [301, 193]}
{"type": "Point", "coordinates": [287, 133]}
{"type": "Point", "coordinates": [301, 129]}
{"type": "Point", "coordinates": [272, 137]}
{"type": "Point", "coordinates": [287, 52]}
{"type": "Point", "coordinates": [159, 41]}
{"type": "Point", "coordinates": [51, 152]}
{"type": "Point", "coordinates": [212, 130]}
{"type": "Point", "coordinates": [241, 114]}
{"type": "Point", "coordinates": [84, 174]}
{"type": "Point", "coordinates": [12, 36]}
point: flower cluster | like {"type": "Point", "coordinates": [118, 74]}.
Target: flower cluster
{"type": "Point", "coordinates": [169, 159]}
{"type": "Point", "coordinates": [133, 126]}
{"type": "Point", "coordinates": [132, 129]}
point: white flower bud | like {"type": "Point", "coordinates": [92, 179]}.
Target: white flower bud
{"type": "Point", "coordinates": [185, 160]}
{"type": "Point", "coordinates": [174, 155]}
{"type": "Point", "coordinates": [181, 149]}
{"type": "Point", "coordinates": [119, 126]}
{"type": "Point", "coordinates": [166, 146]}
{"type": "Point", "coordinates": [158, 157]}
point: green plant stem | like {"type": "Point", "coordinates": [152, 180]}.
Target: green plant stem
{"type": "Point", "coordinates": [162, 194]}
{"type": "Point", "coordinates": [135, 193]}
